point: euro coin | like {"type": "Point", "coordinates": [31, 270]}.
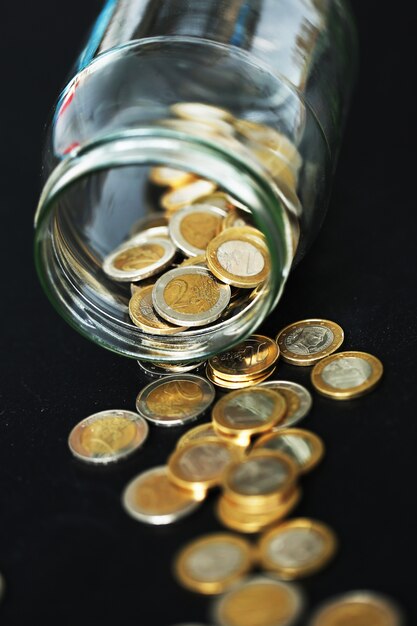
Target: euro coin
{"type": "Point", "coordinates": [193, 227]}
{"type": "Point", "coordinates": [200, 111]}
{"type": "Point", "coordinates": [239, 257]}
{"type": "Point", "coordinates": [107, 436]}
{"type": "Point", "coordinates": [175, 399]}
{"type": "Point", "coordinates": [297, 548]}
{"type": "Point", "coordinates": [158, 369]}
{"type": "Point", "coordinates": [213, 563]}
{"type": "Point", "coordinates": [305, 448]}
{"type": "Point", "coordinates": [178, 198]}
{"type": "Point", "coordinates": [170, 177]}
{"type": "Point", "coordinates": [203, 432]}
{"type": "Point", "coordinates": [138, 260]}
{"type": "Point", "coordinates": [236, 218]}
{"type": "Point", "coordinates": [223, 201]}
{"type": "Point", "coordinates": [200, 465]}
{"type": "Point", "coordinates": [199, 260]}
{"type": "Point", "coordinates": [237, 384]}
{"type": "Point", "coordinates": [358, 608]}
{"type": "Point", "coordinates": [309, 341]}
{"type": "Point", "coordinates": [298, 399]}
{"type": "Point", "coordinates": [248, 359]}
{"type": "Point", "coordinates": [152, 498]}
{"type": "Point", "coordinates": [259, 601]}
{"type": "Point", "coordinates": [190, 296]}
{"type": "Point", "coordinates": [143, 314]}
{"type": "Point", "coordinates": [346, 375]}
{"type": "Point", "coordinates": [270, 138]}
{"type": "Point", "coordinates": [247, 412]}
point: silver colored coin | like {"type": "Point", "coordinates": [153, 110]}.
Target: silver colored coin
{"type": "Point", "coordinates": [215, 561]}
{"type": "Point", "coordinates": [349, 606]}
{"type": "Point", "coordinates": [204, 460]}
{"type": "Point", "coordinates": [148, 257]}
{"type": "Point", "coordinates": [309, 340]}
{"type": "Point", "coordinates": [194, 304]}
{"type": "Point", "coordinates": [295, 446]}
{"type": "Point", "coordinates": [182, 227]}
{"type": "Point", "coordinates": [346, 372]}
{"type": "Point", "coordinates": [259, 476]}
{"type": "Point", "coordinates": [108, 436]}
{"type": "Point", "coordinates": [296, 547]}
{"type": "Point", "coordinates": [175, 399]}
{"type": "Point", "coordinates": [153, 369]}
{"type": "Point", "coordinates": [294, 602]}
{"type": "Point", "coordinates": [152, 498]}
{"type": "Point", "coordinates": [305, 401]}
{"type": "Point", "coordinates": [240, 258]}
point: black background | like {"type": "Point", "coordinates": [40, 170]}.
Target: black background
{"type": "Point", "coordinates": [69, 553]}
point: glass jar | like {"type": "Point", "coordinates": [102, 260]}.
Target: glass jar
{"type": "Point", "coordinates": [278, 74]}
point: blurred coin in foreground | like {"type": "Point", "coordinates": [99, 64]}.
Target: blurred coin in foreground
{"type": "Point", "coordinates": [152, 498]}
{"type": "Point", "coordinates": [298, 399]}
{"type": "Point", "coordinates": [359, 608]}
{"type": "Point", "coordinates": [302, 446]}
{"type": "Point", "coordinates": [107, 436]}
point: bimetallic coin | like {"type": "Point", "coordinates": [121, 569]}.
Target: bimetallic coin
{"type": "Point", "coordinates": [346, 375]}
{"type": "Point", "coordinates": [309, 341]}
{"type": "Point", "coordinates": [358, 608]}
{"type": "Point", "coordinates": [135, 261]}
{"type": "Point", "coordinates": [224, 201]}
{"type": "Point", "coordinates": [305, 448]}
{"type": "Point", "coordinates": [193, 227]}
{"type": "Point", "coordinates": [195, 260]}
{"type": "Point", "coordinates": [190, 296]}
{"type": "Point", "coordinates": [298, 399]}
{"type": "Point", "coordinates": [178, 198]}
{"type": "Point", "coordinates": [213, 563]}
{"type": "Point", "coordinates": [247, 412]}
{"type": "Point", "coordinates": [246, 360]}
{"type": "Point", "coordinates": [159, 369]}
{"type": "Point", "coordinates": [175, 399]}
{"type": "Point", "coordinates": [238, 257]}
{"type": "Point", "coordinates": [297, 548]}
{"type": "Point", "coordinates": [199, 111]}
{"type": "Point", "coordinates": [200, 465]}
{"type": "Point", "coordinates": [107, 436]}
{"type": "Point", "coordinates": [203, 432]}
{"type": "Point", "coordinates": [143, 314]}
{"type": "Point", "coordinates": [168, 176]}
{"type": "Point", "coordinates": [152, 498]}
{"type": "Point", "coordinates": [270, 138]}
{"type": "Point", "coordinates": [259, 601]}
{"type": "Point", "coordinates": [237, 384]}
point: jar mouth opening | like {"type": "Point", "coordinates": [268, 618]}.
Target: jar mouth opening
{"type": "Point", "coordinates": [82, 295]}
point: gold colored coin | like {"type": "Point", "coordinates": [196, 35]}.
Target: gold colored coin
{"type": "Point", "coordinates": [203, 285]}
{"type": "Point", "coordinates": [304, 447]}
{"type": "Point", "coordinates": [270, 138]}
{"type": "Point", "coordinates": [107, 436]}
{"type": "Point", "coordinates": [168, 176]}
{"type": "Point", "coordinates": [152, 498]}
{"type": "Point", "coordinates": [237, 219]}
{"type": "Point", "coordinates": [297, 548]}
{"type": "Point", "coordinates": [247, 360]}
{"type": "Point", "coordinates": [260, 601]}
{"type": "Point", "coordinates": [138, 257]}
{"type": "Point", "coordinates": [199, 260]}
{"type": "Point", "coordinates": [200, 111]}
{"type": "Point", "coordinates": [213, 563]}
{"type": "Point", "coordinates": [194, 226]}
{"type": "Point", "coordinates": [247, 412]}
{"type": "Point", "coordinates": [204, 432]}
{"type": "Point", "coordinates": [309, 341]}
{"type": "Point", "coordinates": [239, 258]}
{"type": "Point", "coordinates": [238, 384]}
{"type": "Point", "coordinates": [178, 198]}
{"type": "Point", "coordinates": [223, 201]}
{"type": "Point", "coordinates": [201, 465]}
{"type": "Point", "coordinates": [346, 375]}
{"type": "Point", "coordinates": [361, 608]}
{"type": "Point", "coordinates": [277, 166]}
{"type": "Point", "coordinates": [143, 314]}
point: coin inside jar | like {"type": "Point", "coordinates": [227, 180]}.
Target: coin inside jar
{"type": "Point", "coordinates": [246, 360]}
{"type": "Point", "coordinates": [238, 257]}
{"type": "Point", "coordinates": [175, 399]}
{"type": "Point", "coordinates": [302, 446]}
{"type": "Point", "coordinates": [199, 111]}
{"type": "Point", "coordinates": [190, 296]}
{"type": "Point", "coordinates": [261, 601]}
{"type": "Point", "coordinates": [168, 176]}
{"type": "Point", "coordinates": [139, 259]}
{"type": "Point", "coordinates": [200, 465]}
{"type": "Point", "coordinates": [297, 548]}
{"type": "Point", "coordinates": [143, 314]}
{"type": "Point", "coordinates": [193, 227]}
{"type": "Point", "coordinates": [107, 436]}
{"type": "Point", "coordinates": [152, 498]}
{"type": "Point", "coordinates": [361, 608]}
{"type": "Point", "coordinates": [309, 341]}
{"type": "Point", "coordinates": [246, 412]}
{"type": "Point", "coordinates": [213, 563]}
{"type": "Point", "coordinates": [178, 198]}
{"type": "Point", "coordinates": [346, 375]}
{"type": "Point", "coordinates": [298, 400]}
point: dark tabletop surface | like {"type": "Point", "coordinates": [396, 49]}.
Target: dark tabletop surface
{"type": "Point", "coordinates": [69, 553]}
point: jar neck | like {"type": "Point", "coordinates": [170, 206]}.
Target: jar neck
{"type": "Point", "coordinates": [151, 146]}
